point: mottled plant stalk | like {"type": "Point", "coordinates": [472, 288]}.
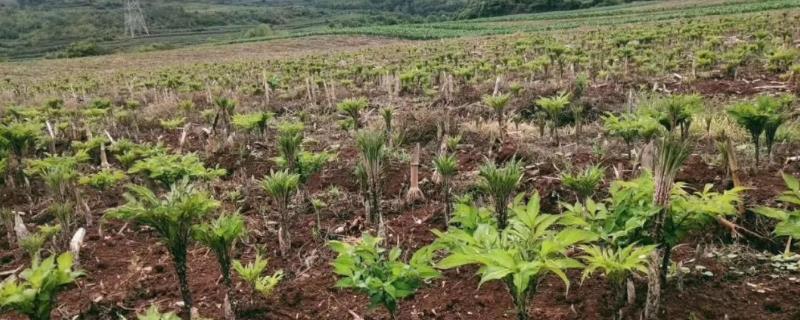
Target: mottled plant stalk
{"type": "Point", "coordinates": [179, 259]}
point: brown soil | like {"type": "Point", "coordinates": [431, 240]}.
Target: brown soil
{"type": "Point", "coordinates": [127, 269]}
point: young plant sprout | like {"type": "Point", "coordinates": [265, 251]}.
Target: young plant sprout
{"type": "Point", "coordinates": [153, 314]}
{"type": "Point", "coordinates": [765, 115]}
{"type": "Point", "coordinates": [553, 108]}
{"type": "Point", "coordinates": [220, 236]}
{"type": "Point", "coordinates": [585, 182]}
{"type": "Point", "coordinates": [352, 108]}
{"type": "Point", "coordinates": [500, 183]}
{"type": "Point", "coordinates": [498, 104]}
{"type": "Point", "coordinates": [33, 243]}
{"type": "Point", "coordinates": [252, 122]}
{"type": "Point", "coordinates": [788, 220]}
{"type": "Point", "coordinates": [369, 268]}
{"type": "Point", "coordinates": [617, 265]}
{"type": "Point", "coordinates": [447, 167]}
{"type": "Point", "coordinates": [373, 153]}
{"type": "Point", "coordinates": [19, 138]}
{"type": "Point", "coordinates": [577, 106]}
{"type": "Point", "coordinates": [35, 293]}
{"type": "Point", "coordinates": [252, 275]}
{"type": "Point", "coordinates": [290, 140]}
{"type": "Point", "coordinates": [224, 113]}
{"type": "Point", "coordinates": [281, 185]}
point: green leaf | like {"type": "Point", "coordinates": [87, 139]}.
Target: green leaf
{"type": "Point", "coordinates": [791, 182]}
{"type": "Point", "coordinates": [455, 260]}
{"type": "Point", "coordinates": [495, 272]}
{"type": "Point", "coordinates": [772, 213]}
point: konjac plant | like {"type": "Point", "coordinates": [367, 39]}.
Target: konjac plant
{"type": "Point", "coordinates": [446, 167]}
{"type": "Point", "coordinates": [173, 217]}
{"type": "Point", "coordinates": [518, 254]}
{"type": "Point", "coordinates": [281, 185]}
{"type": "Point", "coordinates": [500, 183]}
{"type": "Point", "coordinates": [220, 235]}
{"type": "Point", "coordinates": [373, 153]}
{"type": "Point", "coordinates": [252, 274]}
{"type": "Point", "coordinates": [554, 107]}
{"type": "Point", "coordinates": [35, 292]}
{"type": "Point", "coordinates": [352, 108]}
{"type": "Point", "coordinates": [763, 116]}
{"type": "Point", "coordinates": [364, 265]}
{"type": "Point", "coordinates": [788, 220]}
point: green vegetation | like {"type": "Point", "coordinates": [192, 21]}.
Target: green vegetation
{"type": "Point", "coordinates": [788, 220]}
{"type": "Point", "coordinates": [172, 217]}
{"type": "Point", "coordinates": [281, 185]}
{"type": "Point", "coordinates": [252, 275]}
{"type": "Point", "coordinates": [517, 254]}
{"type": "Point", "coordinates": [34, 294]}
{"type": "Point", "coordinates": [765, 115]}
{"type": "Point", "coordinates": [585, 182]}
{"type": "Point", "coordinates": [91, 29]}
{"type": "Point", "coordinates": [667, 82]}
{"type": "Point", "coordinates": [379, 273]}
{"type": "Point", "coordinates": [220, 236]}
{"type": "Point", "coordinates": [500, 183]}
{"type": "Point", "coordinates": [373, 153]}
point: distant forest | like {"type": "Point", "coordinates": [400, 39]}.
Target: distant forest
{"type": "Point", "coordinates": [461, 9]}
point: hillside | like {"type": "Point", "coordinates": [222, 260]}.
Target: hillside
{"type": "Point", "coordinates": [70, 28]}
{"type": "Point", "coordinates": [634, 162]}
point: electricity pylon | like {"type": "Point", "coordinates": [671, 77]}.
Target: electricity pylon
{"type": "Point", "coordinates": [134, 19]}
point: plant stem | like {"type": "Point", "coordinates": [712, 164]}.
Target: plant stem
{"type": "Point", "coordinates": [179, 259]}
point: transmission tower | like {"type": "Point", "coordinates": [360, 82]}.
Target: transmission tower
{"type": "Point", "coordinates": [134, 19]}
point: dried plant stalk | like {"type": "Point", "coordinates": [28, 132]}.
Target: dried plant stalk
{"type": "Point", "coordinates": [414, 193]}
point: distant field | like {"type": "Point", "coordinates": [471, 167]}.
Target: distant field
{"type": "Point", "coordinates": [37, 70]}
{"type": "Point", "coordinates": [561, 20]}
{"type": "Point", "coordinates": [322, 40]}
